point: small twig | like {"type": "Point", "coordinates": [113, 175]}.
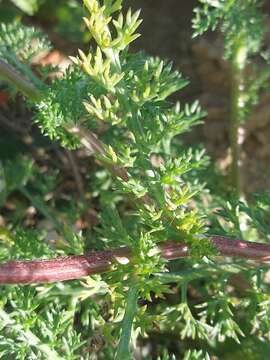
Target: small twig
{"type": "Point", "coordinates": [88, 139]}
{"type": "Point", "coordinates": [76, 173]}
{"type": "Point", "coordinates": [75, 267]}
{"type": "Point", "coordinates": [91, 142]}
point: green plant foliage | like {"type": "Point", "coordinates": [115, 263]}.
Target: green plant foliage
{"type": "Point", "coordinates": [24, 42]}
{"type": "Point", "coordinates": [19, 45]}
{"type": "Point", "coordinates": [62, 106]}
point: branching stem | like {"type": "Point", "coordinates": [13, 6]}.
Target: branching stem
{"type": "Point", "coordinates": [74, 267]}
{"type": "Point", "coordinates": [237, 131]}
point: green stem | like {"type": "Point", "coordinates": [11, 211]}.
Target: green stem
{"type": "Point", "coordinates": [237, 103]}
{"type": "Point", "coordinates": [184, 291]}
{"type": "Point", "coordinates": [123, 352]}
{"type": "Point", "coordinates": [8, 73]}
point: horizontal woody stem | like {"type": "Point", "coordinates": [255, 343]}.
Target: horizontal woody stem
{"type": "Point", "coordinates": [95, 262]}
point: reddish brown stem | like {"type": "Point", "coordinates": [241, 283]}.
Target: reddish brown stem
{"type": "Point", "coordinates": [240, 248]}
{"type": "Point", "coordinates": [75, 267]}
{"type": "Point", "coordinates": [61, 268]}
